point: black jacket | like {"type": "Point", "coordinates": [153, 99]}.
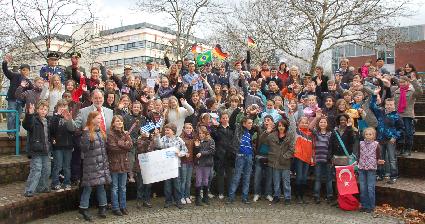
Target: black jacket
{"type": "Point", "coordinates": [61, 137]}
{"type": "Point", "coordinates": [15, 81]}
{"type": "Point", "coordinates": [36, 136]}
{"type": "Point", "coordinates": [207, 149]}
{"type": "Point", "coordinates": [223, 137]}
{"type": "Point", "coordinates": [129, 120]}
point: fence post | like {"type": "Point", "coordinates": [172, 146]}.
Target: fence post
{"type": "Point", "coordinates": [17, 137]}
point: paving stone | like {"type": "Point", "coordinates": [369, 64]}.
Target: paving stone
{"type": "Point", "coordinates": [218, 212]}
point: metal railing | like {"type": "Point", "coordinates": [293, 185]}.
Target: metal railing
{"type": "Point", "coordinates": [17, 127]}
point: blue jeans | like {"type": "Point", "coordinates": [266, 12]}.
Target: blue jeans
{"type": "Point", "coordinates": [172, 190]}
{"type": "Point", "coordinates": [367, 180]}
{"type": "Point", "coordinates": [243, 165]}
{"type": "Point", "coordinates": [186, 170]}
{"type": "Point", "coordinates": [119, 190]}
{"type": "Point", "coordinates": [301, 169]}
{"type": "Point", "coordinates": [323, 171]}
{"type": "Point", "coordinates": [389, 155]}
{"type": "Point", "coordinates": [61, 161]}
{"type": "Point", "coordinates": [262, 171]}
{"type": "Point", "coordinates": [143, 190]}
{"type": "Point", "coordinates": [409, 131]}
{"type": "Point", "coordinates": [285, 176]}
{"type": "Point", "coordinates": [38, 178]}
{"type": "Point", "coordinates": [85, 196]}
{"type": "Point", "coordinates": [11, 117]}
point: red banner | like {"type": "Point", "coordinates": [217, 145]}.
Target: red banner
{"type": "Point", "coordinates": [346, 180]}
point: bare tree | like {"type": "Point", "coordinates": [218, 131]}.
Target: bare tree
{"type": "Point", "coordinates": [185, 16]}
{"type": "Point", "coordinates": [305, 29]}
{"type": "Point", "coordinates": [45, 20]}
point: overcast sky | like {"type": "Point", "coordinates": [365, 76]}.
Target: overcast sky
{"type": "Point", "coordinates": [114, 13]}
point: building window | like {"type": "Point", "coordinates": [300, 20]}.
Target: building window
{"type": "Point", "coordinates": [387, 55]}
{"type": "Point", "coordinates": [106, 49]}
{"type": "Point", "coordinates": [131, 45]}
{"type": "Point", "coordinates": [121, 47]}
{"type": "Point", "coordinates": [120, 61]}
{"type": "Point", "coordinates": [148, 44]}
{"type": "Point", "coordinates": [114, 48]}
{"type": "Point", "coordinates": [142, 44]}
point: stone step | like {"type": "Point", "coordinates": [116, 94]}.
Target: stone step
{"type": "Point", "coordinates": [16, 208]}
{"type": "Point", "coordinates": [420, 108]}
{"type": "Point", "coordinates": [419, 141]}
{"type": "Point", "coordinates": [13, 168]}
{"type": "Point", "coordinates": [420, 123]}
{"type": "Point", "coordinates": [412, 166]}
{"type": "Point", "coordinates": [7, 147]}
{"type": "Point", "coordinates": [406, 192]}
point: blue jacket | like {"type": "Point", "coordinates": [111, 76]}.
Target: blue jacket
{"type": "Point", "coordinates": [390, 125]}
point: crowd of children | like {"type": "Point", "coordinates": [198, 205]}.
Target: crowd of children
{"type": "Point", "coordinates": [227, 124]}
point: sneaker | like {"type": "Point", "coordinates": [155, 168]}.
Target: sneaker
{"type": "Point", "coordinates": [28, 194]}
{"type": "Point", "coordinates": [317, 200]}
{"type": "Point", "coordinates": [210, 195]}
{"type": "Point", "coordinates": [230, 201]}
{"type": "Point", "coordinates": [188, 201]}
{"type": "Point", "coordinates": [276, 200]}
{"type": "Point", "coordinates": [167, 204]}
{"type": "Point", "coordinates": [270, 198]}
{"type": "Point", "coordinates": [220, 196]}
{"type": "Point", "coordinates": [183, 201]}
{"type": "Point", "coordinates": [131, 180]}
{"type": "Point", "coordinates": [287, 201]}
{"type": "Point", "coordinates": [57, 188]}
{"type": "Point", "coordinates": [68, 187]}
{"type": "Point", "coordinates": [392, 181]}
{"type": "Point", "coordinates": [256, 197]}
{"type": "Point", "coordinates": [147, 204]}
{"type": "Point", "coordinates": [179, 205]}
{"type": "Point", "coordinates": [245, 201]}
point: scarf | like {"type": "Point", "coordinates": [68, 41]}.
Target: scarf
{"type": "Point", "coordinates": [402, 104]}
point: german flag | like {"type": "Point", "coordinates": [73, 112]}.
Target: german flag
{"type": "Point", "coordinates": [219, 53]}
{"type": "Point", "coordinates": [251, 42]}
{"type": "Point", "coordinates": [196, 48]}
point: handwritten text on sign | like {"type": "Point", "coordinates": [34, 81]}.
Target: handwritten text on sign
{"type": "Point", "coordinates": [159, 165]}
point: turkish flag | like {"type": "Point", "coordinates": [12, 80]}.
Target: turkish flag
{"type": "Point", "coordinates": [346, 180]}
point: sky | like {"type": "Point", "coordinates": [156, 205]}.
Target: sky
{"type": "Point", "coordinates": [114, 13]}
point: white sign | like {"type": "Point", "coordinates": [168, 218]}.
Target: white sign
{"type": "Point", "coordinates": [151, 82]}
{"type": "Point", "coordinates": [159, 165]}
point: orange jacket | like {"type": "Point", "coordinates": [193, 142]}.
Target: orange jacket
{"type": "Point", "coordinates": [304, 149]}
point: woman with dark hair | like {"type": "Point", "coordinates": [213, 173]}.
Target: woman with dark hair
{"type": "Point", "coordinates": [342, 137]}
{"type": "Point", "coordinates": [283, 72]}
{"type": "Point", "coordinates": [409, 69]}
{"type": "Point", "coordinates": [320, 79]}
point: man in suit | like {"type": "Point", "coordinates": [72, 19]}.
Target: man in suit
{"type": "Point", "coordinates": [97, 99]}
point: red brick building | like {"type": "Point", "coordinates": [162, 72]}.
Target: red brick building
{"type": "Point", "coordinates": [410, 50]}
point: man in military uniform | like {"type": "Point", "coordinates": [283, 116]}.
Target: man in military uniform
{"type": "Point", "coordinates": [149, 72]}
{"type": "Point", "coordinates": [52, 68]}
{"type": "Point", "coordinates": [74, 71]}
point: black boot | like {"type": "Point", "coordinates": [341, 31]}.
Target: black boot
{"type": "Point", "coordinates": [86, 215]}
{"type": "Point", "coordinates": [205, 198]}
{"type": "Point", "coordinates": [302, 190]}
{"type": "Point", "coordinates": [102, 212]}
{"type": "Point", "coordinates": [298, 194]}
{"type": "Point", "coordinates": [198, 196]}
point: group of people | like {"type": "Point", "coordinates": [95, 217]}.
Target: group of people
{"type": "Point", "coordinates": [225, 122]}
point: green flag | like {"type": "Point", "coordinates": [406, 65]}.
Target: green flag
{"type": "Point", "coordinates": [203, 58]}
